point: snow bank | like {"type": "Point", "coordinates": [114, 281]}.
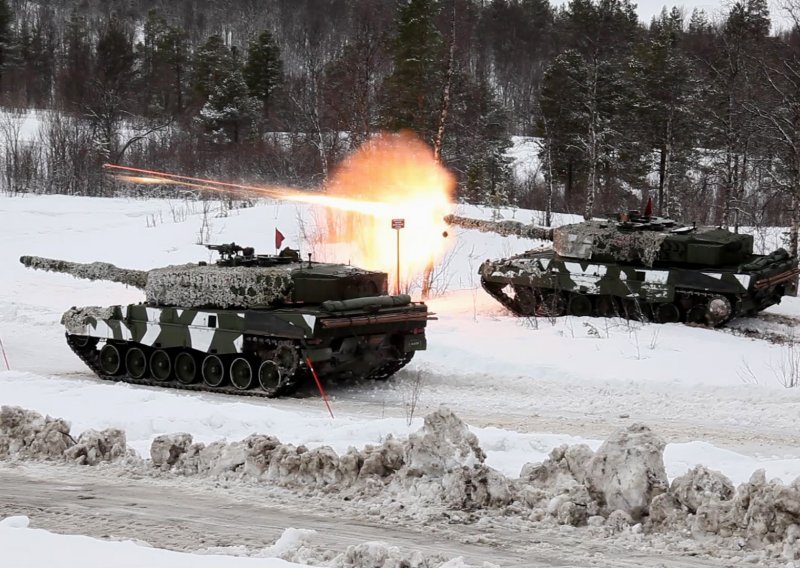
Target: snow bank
{"type": "Point", "coordinates": [25, 434]}
{"type": "Point", "coordinates": [620, 487]}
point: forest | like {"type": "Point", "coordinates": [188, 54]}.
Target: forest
{"type": "Point", "coordinates": [699, 112]}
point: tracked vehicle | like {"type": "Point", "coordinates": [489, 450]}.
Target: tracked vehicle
{"type": "Point", "coordinates": [249, 324]}
{"type": "Point", "coordinates": [637, 266]}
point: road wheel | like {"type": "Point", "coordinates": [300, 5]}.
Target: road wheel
{"type": "Point", "coordinates": [697, 314]}
{"type": "Point", "coordinates": [269, 377]}
{"type": "Point", "coordinates": [136, 363]}
{"type": "Point", "coordinates": [110, 359]}
{"type": "Point", "coordinates": [606, 306]}
{"type": "Point", "coordinates": [185, 368]}
{"type": "Point", "coordinates": [160, 365]}
{"type": "Point", "coordinates": [579, 305]}
{"type": "Point", "coordinates": [241, 373]}
{"type": "Point", "coordinates": [213, 371]}
{"type": "Point", "coordinates": [667, 313]}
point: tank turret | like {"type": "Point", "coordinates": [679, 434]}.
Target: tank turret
{"type": "Point", "coordinates": [248, 323]}
{"type": "Point", "coordinates": [637, 266]}
{"type": "Point", "coordinates": [239, 279]}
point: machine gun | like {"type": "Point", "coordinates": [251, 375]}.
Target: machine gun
{"type": "Point", "coordinates": [232, 254]}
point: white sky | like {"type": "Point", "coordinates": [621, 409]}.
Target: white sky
{"type": "Point", "coordinates": [715, 10]}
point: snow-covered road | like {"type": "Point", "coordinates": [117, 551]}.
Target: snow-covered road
{"type": "Point", "coordinates": [524, 386]}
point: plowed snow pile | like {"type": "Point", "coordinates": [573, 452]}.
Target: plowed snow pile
{"type": "Point", "coordinates": [622, 487]}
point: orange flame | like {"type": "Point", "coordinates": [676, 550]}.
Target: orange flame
{"type": "Point", "coordinates": [391, 176]}
{"type": "Point", "coordinates": [398, 175]}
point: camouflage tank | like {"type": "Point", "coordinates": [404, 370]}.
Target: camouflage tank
{"type": "Point", "coordinates": [248, 324]}
{"type": "Point", "coordinates": [636, 266]}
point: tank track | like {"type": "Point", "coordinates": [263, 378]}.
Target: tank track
{"type": "Point", "coordinates": [643, 311]}
{"type": "Point", "coordinates": [507, 301]}
{"type": "Point", "coordinates": [385, 371]}
{"type": "Point", "coordinates": [90, 356]}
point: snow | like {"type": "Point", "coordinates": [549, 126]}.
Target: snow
{"type": "Point", "coordinates": [23, 547]}
{"type": "Point", "coordinates": [525, 386]}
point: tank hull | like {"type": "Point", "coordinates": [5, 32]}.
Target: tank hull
{"type": "Point", "coordinates": [545, 283]}
{"type": "Point", "coordinates": [264, 352]}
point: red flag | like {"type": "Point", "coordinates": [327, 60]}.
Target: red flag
{"type": "Point", "coordinates": [278, 238]}
{"type": "Point", "coordinates": [648, 209]}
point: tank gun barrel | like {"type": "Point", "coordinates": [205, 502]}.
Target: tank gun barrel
{"type": "Point", "coordinates": [504, 228]}
{"type": "Point", "coordinates": [89, 271]}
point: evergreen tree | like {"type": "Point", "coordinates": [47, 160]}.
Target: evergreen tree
{"type": "Point", "coordinates": [115, 57]}
{"type": "Point", "coordinates": [669, 94]}
{"type": "Point", "coordinates": [163, 56]}
{"type": "Point", "coordinates": [488, 172]}
{"type": "Point", "coordinates": [78, 61]}
{"type": "Point", "coordinates": [229, 110]}
{"type": "Point", "coordinates": [212, 63]}
{"type": "Point", "coordinates": [263, 70]}
{"type": "Point", "coordinates": [6, 18]}
{"type": "Point", "coordinates": [412, 91]}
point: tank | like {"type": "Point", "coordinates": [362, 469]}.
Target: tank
{"type": "Point", "coordinates": [636, 266]}
{"type": "Point", "coordinates": [248, 324]}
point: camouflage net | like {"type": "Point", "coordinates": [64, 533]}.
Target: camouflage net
{"type": "Point", "coordinates": [602, 240]}
{"type": "Point", "coordinates": [92, 271]}
{"type": "Point", "coordinates": [189, 285]}
{"type": "Point", "coordinates": [504, 228]}
{"type": "Point", "coordinates": [75, 320]}
{"type": "Point", "coordinates": [219, 287]}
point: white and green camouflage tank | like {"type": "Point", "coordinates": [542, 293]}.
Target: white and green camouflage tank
{"type": "Point", "coordinates": [248, 324]}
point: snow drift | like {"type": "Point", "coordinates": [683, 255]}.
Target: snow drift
{"type": "Point", "coordinates": [622, 486]}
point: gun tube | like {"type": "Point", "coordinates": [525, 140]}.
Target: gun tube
{"type": "Point", "coordinates": [89, 271]}
{"type": "Point", "coordinates": [504, 228]}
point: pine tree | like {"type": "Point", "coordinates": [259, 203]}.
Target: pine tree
{"type": "Point", "coordinates": [115, 57]}
{"type": "Point", "coordinates": [78, 61]}
{"type": "Point", "coordinates": [411, 92]}
{"type": "Point", "coordinates": [668, 100]}
{"type": "Point", "coordinates": [263, 70]}
{"type": "Point", "coordinates": [6, 17]}
{"type": "Point", "coordinates": [212, 62]}
{"type": "Point", "coordinates": [229, 110]}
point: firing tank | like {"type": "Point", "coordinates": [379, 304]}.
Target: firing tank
{"type": "Point", "coordinates": [636, 266]}
{"type": "Point", "coordinates": [248, 324]}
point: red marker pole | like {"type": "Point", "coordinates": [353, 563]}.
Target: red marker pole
{"type": "Point", "coordinates": [319, 385]}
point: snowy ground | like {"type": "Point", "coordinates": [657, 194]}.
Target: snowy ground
{"type": "Point", "coordinates": [524, 386]}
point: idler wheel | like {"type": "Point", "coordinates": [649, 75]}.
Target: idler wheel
{"type": "Point", "coordinates": [110, 359]}
{"type": "Point", "coordinates": [718, 311]}
{"type": "Point", "coordinates": [241, 373]}
{"type": "Point", "coordinates": [667, 313]}
{"type": "Point", "coordinates": [606, 306]}
{"type": "Point", "coordinates": [213, 371]}
{"type": "Point", "coordinates": [185, 368]}
{"type": "Point", "coordinates": [579, 305]}
{"type": "Point", "coordinates": [136, 363]}
{"type": "Point", "coordinates": [269, 377]}
{"type": "Point", "coordinates": [160, 365]}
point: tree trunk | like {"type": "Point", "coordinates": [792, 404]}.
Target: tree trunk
{"type": "Point", "coordinates": [427, 276]}
{"type": "Point", "coordinates": [591, 189]}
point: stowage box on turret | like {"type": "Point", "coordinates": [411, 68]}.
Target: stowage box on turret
{"type": "Point", "coordinates": [636, 266]}
{"type": "Point", "coordinates": [248, 324]}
